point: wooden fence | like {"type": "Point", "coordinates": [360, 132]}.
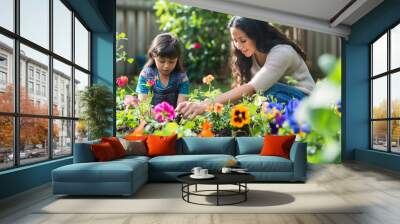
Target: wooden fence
{"type": "Point", "coordinates": [137, 20]}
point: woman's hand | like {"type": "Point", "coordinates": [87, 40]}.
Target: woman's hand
{"type": "Point", "coordinates": [191, 109]}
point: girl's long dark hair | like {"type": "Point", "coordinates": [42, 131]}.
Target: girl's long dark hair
{"type": "Point", "coordinates": [165, 45]}
{"type": "Point", "coordinates": [265, 37]}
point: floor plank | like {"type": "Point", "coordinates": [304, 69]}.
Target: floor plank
{"type": "Point", "coordinates": [377, 190]}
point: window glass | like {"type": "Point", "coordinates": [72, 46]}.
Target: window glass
{"type": "Point", "coordinates": [39, 62]}
{"type": "Point", "coordinates": [7, 14]}
{"type": "Point", "coordinates": [379, 98]}
{"type": "Point", "coordinates": [395, 136]}
{"type": "Point", "coordinates": [62, 91]}
{"type": "Point", "coordinates": [62, 29]}
{"type": "Point", "coordinates": [81, 81]}
{"type": "Point", "coordinates": [395, 47]}
{"type": "Point", "coordinates": [33, 140]}
{"type": "Point", "coordinates": [395, 94]}
{"type": "Point", "coordinates": [34, 21]}
{"type": "Point", "coordinates": [62, 138]}
{"type": "Point", "coordinates": [379, 135]}
{"type": "Point", "coordinates": [81, 45]}
{"type": "Point", "coordinates": [379, 56]}
{"type": "Point", "coordinates": [6, 74]}
{"type": "Point", "coordinates": [6, 142]}
{"type": "Point", "coordinates": [81, 131]}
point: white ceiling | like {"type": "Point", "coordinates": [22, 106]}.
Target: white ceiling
{"type": "Point", "coordinates": [317, 15]}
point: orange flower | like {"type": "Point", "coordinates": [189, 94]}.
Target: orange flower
{"type": "Point", "coordinates": [208, 79]}
{"type": "Point", "coordinates": [240, 116]}
{"type": "Point", "coordinates": [139, 131]}
{"type": "Point", "coordinates": [206, 132]}
{"type": "Point", "coordinates": [209, 108]}
{"type": "Point", "coordinates": [218, 107]}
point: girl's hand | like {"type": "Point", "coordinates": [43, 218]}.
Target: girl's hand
{"type": "Point", "coordinates": [191, 109]}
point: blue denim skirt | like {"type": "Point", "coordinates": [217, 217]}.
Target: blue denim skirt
{"type": "Point", "coordinates": [283, 93]}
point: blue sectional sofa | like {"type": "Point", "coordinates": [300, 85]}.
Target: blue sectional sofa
{"type": "Point", "coordinates": [125, 176]}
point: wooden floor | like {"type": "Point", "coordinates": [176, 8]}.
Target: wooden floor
{"type": "Point", "coordinates": [377, 188]}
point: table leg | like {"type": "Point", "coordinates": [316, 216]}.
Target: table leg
{"type": "Point", "coordinates": [245, 193]}
{"type": "Point", "coordinates": [217, 194]}
{"type": "Point", "coordinates": [196, 188]}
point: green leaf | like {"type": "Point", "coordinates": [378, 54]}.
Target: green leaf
{"type": "Point", "coordinates": [130, 60]}
{"type": "Point", "coordinates": [325, 121]}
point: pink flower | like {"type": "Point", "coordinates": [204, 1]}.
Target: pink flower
{"type": "Point", "coordinates": [122, 81]}
{"type": "Point", "coordinates": [164, 112]}
{"type": "Point", "coordinates": [131, 101]}
{"type": "Point", "coordinates": [197, 45]}
{"type": "Point", "coordinates": [151, 82]}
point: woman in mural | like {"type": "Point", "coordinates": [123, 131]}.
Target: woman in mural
{"type": "Point", "coordinates": [263, 59]}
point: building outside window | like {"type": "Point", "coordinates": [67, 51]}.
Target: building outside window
{"type": "Point", "coordinates": [34, 73]}
{"type": "Point", "coordinates": [385, 97]}
{"type": "Point", "coordinates": [30, 87]}
{"type": "Point", "coordinates": [3, 71]}
{"type": "Point", "coordinates": [30, 72]}
{"type": "Point", "coordinates": [43, 90]}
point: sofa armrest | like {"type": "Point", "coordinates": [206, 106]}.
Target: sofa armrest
{"type": "Point", "coordinates": [298, 155]}
{"type": "Point", "coordinates": [83, 152]}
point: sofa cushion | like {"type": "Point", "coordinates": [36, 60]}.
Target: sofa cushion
{"type": "Point", "coordinates": [161, 145]}
{"type": "Point", "coordinates": [134, 147]}
{"type": "Point", "coordinates": [116, 145]}
{"type": "Point", "coordinates": [275, 145]}
{"type": "Point", "coordinates": [249, 145]}
{"type": "Point", "coordinates": [83, 152]}
{"type": "Point", "coordinates": [257, 163]}
{"type": "Point", "coordinates": [198, 146]}
{"type": "Point", "coordinates": [112, 171]}
{"type": "Point", "coordinates": [185, 163]}
{"type": "Point", "coordinates": [103, 152]}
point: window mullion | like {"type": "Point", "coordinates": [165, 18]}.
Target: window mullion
{"type": "Point", "coordinates": [389, 106]}
{"type": "Point", "coordinates": [16, 84]}
{"type": "Point", "coordinates": [371, 89]}
{"type": "Point", "coordinates": [50, 81]}
{"type": "Point", "coordinates": [73, 81]}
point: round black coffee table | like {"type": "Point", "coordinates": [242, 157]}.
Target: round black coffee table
{"type": "Point", "coordinates": [238, 179]}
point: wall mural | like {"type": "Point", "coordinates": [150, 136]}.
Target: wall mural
{"type": "Point", "coordinates": [210, 74]}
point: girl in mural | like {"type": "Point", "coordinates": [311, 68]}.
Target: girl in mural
{"type": "Point", "coordinates": [163, 73]}
{"type": "Point", "coordinates": [263, 59]}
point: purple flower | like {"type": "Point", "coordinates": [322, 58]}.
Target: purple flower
{"type": "Point", "coordinates": [131, 101]}
{"type": "Point", "coordinates": [305, 128]}
{"type": "Point", "coordinates": [164, 112]}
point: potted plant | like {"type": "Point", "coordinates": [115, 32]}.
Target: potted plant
{"type": "Point", "coordinates": [97, 102]}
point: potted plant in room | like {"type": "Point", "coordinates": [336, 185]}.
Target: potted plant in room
{"type": "Point", "coordinates": [97, 105]}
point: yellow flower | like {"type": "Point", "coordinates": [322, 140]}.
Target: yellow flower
{"type": "Point", "coordinates": [240, 116]}
{"type": "Point", "coordinates": [208, 79]}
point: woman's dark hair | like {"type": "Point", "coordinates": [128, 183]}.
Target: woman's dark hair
{"type": "Point", "coordinates": [264, 36]}
{"type": "Point", "coordinates": [165, 45]}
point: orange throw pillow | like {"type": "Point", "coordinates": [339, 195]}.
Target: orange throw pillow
{"type": "Point", "coordinates": [277, 145]}
{"type": "Point", "coordinates": [161, 145]}
{"type": "Point", "coordinates": [136, 138]}
{"type": "Point", "coordinates": [116, 145]}
{"type": "Point", "coordinates": [103, 152]}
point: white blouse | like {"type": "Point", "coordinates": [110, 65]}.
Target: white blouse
{"type": "Point", "coordinates": [282, 60]}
